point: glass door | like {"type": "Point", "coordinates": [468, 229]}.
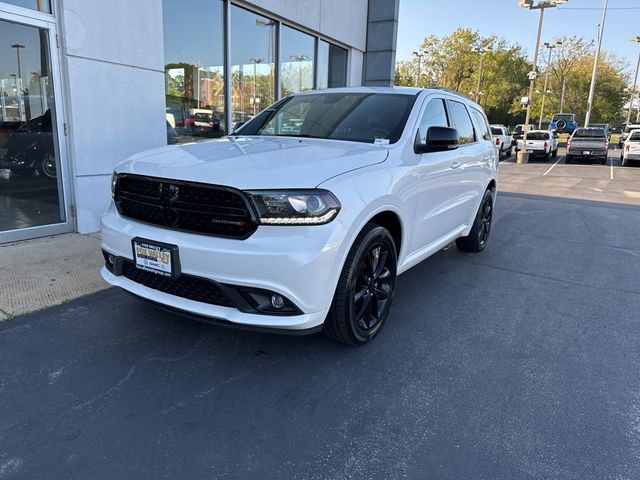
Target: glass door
{"type": "Point", "coordinates": [32, 199]}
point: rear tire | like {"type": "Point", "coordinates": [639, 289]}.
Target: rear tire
{"type": "Point", "coordinates": [555, 153]}
{"type": "Point", "coordinates": [603, 161]}
{"type": "Point", "coordinates": [567, 159]}
{"type": "Point", "coordinates": [365, 289]}
{"type": "Point", "coordinates": [479, 234]}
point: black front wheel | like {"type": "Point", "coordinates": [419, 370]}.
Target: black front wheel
{"type": "Point", "coordinates": [479, 235]}
{"type": "Point", "coordinates": [365, 289]}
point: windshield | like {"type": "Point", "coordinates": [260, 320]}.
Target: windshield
{"type": "Point", "coordinates": [590, 133]}
{"type": "Point", "coordinates": [356, 117]}
{"type": "Point", "coordinates": [496, 131]}
{"type": "Point", "coordinates": [566, 118]}
{"type": "Point", "coordinates": [538, 136]}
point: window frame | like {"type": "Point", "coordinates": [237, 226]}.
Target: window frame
{"type": "Point", "coordinates": [423, 110]}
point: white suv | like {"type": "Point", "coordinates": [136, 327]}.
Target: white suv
{"type": "Point", "coordinates": [302, 219]}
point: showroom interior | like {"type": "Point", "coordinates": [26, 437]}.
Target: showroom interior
{"type": "Point", "coordinates": [86, 84]}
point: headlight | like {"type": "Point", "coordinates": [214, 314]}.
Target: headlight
{"type": "Point", "coordinates": [114, 182]}
{"type": "Point", "coordinates": [299, 207]}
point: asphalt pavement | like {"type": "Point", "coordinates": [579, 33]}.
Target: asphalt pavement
{"type": "Point", "coordinates": [522, 362]}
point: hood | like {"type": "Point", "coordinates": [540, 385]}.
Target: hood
{"type": "Point", "coordinates": [256, 162]}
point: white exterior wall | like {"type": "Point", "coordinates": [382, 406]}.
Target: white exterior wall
{"type": "Point", "coordinates": [113, 60]}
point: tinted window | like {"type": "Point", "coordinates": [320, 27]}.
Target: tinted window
{"type": "Point", "coordinates": [462, 122]}
{"type": "Point", "coordinates": [482, 125]}
{"type": "Point", "coordinates": [332, 66]}
{"type": "Point", "coordinates": [496, 131]}
{"type": "Point", "coordinates": [593, 133]}
{"type": "Point", "coordinates": [357, 117]}
{"type": "Point", "coordinates": [635, 137]}
{"type": "Point", "coordinates": [435, 115]}
{"type": "Point", "coordinates": [538, 136]}
{"type": "Point", "coordinates": [566, 118]}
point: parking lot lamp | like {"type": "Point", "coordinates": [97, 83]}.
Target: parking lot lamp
{"type": "Point", "coordinates": [550, 47]}
{"type": "Point", "coordinates": [418, 54]}
{"type": "Point", "coordinates": [635, 82]}
{"type": "Point", "coordinates": [481, 51]}
{"type": "Point", "coordinates": [594, 75]}
{"type": "Point", "coordinates": [542, 5]}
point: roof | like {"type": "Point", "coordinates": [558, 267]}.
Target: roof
{"type": "Point", "coordinates": [396, 90]}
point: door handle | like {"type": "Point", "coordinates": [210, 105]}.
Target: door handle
{"type": "Point", "coordinates": [456, 164]}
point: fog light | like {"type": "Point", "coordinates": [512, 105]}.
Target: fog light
{"type": "Point", "coordinates": [112, 260]}
{"type": "Point", "coordinates": [277, 301]}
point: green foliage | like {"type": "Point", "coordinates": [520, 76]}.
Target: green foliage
{"type": "Point", "coordinates": [453, 62]}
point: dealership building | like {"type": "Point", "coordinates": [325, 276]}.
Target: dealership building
{"type": "Point", "coordinates": [84, 84]}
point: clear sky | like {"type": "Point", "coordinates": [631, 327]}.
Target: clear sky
{"type": "Point", "coordinates": [506, 19]}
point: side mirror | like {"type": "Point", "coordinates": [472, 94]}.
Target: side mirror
{"type": "Point", "coordinates": [439, 139]}
{"type": "Point", "coordinates": [237, 126]}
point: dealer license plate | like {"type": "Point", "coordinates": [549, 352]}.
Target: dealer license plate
{"type": "Point", "coordinates": [155, 257]}
{"type": "Point", "coordinates": [586, 152]}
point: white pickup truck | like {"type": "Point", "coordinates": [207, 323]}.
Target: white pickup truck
{"type": "Point", "coordinates": [541, 143]}
{"type": "Point", "coordinates": [502, 139]}
{"type": "Point", "coordinates": [631, 150]}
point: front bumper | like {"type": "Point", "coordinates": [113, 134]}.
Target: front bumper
{"type": "Point", "coordinates": [301, 263]}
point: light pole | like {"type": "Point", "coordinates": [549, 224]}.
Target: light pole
{"type": "Point", "coordinates": [549, 46]}
{"type": "Point", "coordinates": [299, 59]}
{"type": "Point", "coordinates": [592, 91]}
{"type": "Point", "coordinates": [271, 24]}
{"type": "Point", "coordinates": [635, 82]}
{"type": "Point", "coordinates": [523, 155]}
{"type": "Point", "coordinates": [418, 54]}
{"type": "Point", "coordinates": [18, 46]}
{"type": "Point", "coordinates": [481, 51]}
{"type": "Point", "coordinates": [255, 62]}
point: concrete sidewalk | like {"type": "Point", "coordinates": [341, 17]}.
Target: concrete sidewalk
{"type": "Point", "coordinates": [40, 273]}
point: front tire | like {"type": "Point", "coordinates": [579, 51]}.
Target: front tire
{"type": "Point", "coordinates": [477, 239]}
{"type": "Point", "coordinates": [365, 289]}
{"type": "Point", "coordinates": [568, 159]}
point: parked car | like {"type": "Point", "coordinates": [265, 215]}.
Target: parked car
{"type": "Point", "coordinates": [502, 139]}
{"type": "Point", "coordinates": [30, 149]}
{"type": "Point", "coordinates": [627, 130]}
{"type": "Point", "coordinates": [588, 143]}
{"type": "Point", "coordinates": [205, 123]}
{"type": "Point", "coordinates": [631, 150]}
{"type": "Point", "coordinates": [563, 123]}
{"type": "Point", "coordinates": [305, 230]}
{"type": "Point", "coordinates": [518, 133]}
{"type": "Point", "coordinates": [541, 143]}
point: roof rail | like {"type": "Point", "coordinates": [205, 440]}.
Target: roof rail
{"type": "Point", "coordinates": [454, 92]}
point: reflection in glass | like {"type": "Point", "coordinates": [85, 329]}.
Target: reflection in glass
{"type": "Point", "coordinates": [296, 67]}
{"type": "Point", "coordinates": [194, 71]}
{"type": "Point", "coordinates": [30, 187]}
{"type": "Point", "coordinates": [39, 5]}
{"type": "Point", "coordinates": [332, 65]}
{"type": "Point", "coordinates": [252, 63]}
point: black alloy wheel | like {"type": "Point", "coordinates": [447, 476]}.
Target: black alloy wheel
{"type": "Point", "coordinates": [364, 293]}
{"type": "Point", "coordinates": [478, 237]}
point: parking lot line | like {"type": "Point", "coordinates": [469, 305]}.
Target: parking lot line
{"type": "Point", "coordinates": [611, 169]}
{"type": "Point", "coordinates": [551, 167]}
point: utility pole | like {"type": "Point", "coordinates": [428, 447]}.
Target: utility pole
{"type": "Point", "coordinates": [549, 46]}
{"type": "Point", "coordinates": [480, 51]}
{"type": "Point", "coordinates": [635, 82]}
{"type": "Point", "coordinates": [523, 155]}
{"type": "Point", "coordinates": [594, 76]}
{"type": "Point", "coordinates": [564, 89]}
{"type": "Point", "coordinates": [419, 54]}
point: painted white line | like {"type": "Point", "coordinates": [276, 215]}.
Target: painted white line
{"type": "Point", "coordinates": [611, 160]}
{"type": "Point", "coordinates": [551, 167]}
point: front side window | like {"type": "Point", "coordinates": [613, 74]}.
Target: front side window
{"type": "Point", "coordinates": [357, 117]}
{"type": "Point", "coordinates": [296, 64]}
{"type": "Point", "coordinates": [435, 115]}
{"type": "Point", "coordinates": [194, 72]}
{"type": "Point", "coordinates": [462, 122]}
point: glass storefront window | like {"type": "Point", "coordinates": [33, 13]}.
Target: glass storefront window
{"type": "Point", "coordinates": [30, 183]}
{"type": "Point", "coordinates": [332, 65]}
{"type": "Point", "coordinates": [39, 5]}
{"type": "Point", "coordinates": [297, 52]}
{"type": "Point", "coordinates": [194, 69]}
{"type": "Point", "coordinates": [253, 39]}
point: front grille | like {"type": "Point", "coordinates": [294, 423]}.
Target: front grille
{"type": "Point", "coordinates": [185, 286]}
{"type": "Point", "coordinates": [187, 206]}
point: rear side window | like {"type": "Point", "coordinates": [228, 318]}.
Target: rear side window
{"type": "Point", "coordinates": [496, 131]}
{"type": "Point", "coordinates": [482, 125]}
{"type": "Point", "coordinates": [435, 115]}
{"type": "Point", "coordinates": [635, 137]}
{"type": "Point", "coordinates": [462, 122]}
